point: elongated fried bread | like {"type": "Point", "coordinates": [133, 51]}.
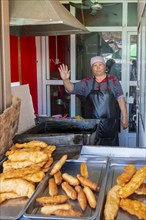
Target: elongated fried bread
{"type": "Point", "coordinates": [69, 190]}
{"type": "Point", "coordinates": [50, 209]}
{"type": "Point", "coordinates": [90, 197]}
{"type": "Point", "coordinates": [52, 199]}
{"type": "Point", "coordinates": [134, 207]}
{"type": "Point", "coordinates": [53, 189]}
{"type": "Point", "coordinates": [112, 203]}
{"type": "Point", "coordinates": [126, 176]}
{"type": "Point", "coordinates": [34, 156]}
{"type": "Point", "coordinates": [70, 179]}
{"type": "Point", "coordinates": [81, 198]}
{"type": "Point", "coordinates": [86, 182]}
{"type": "Point", "coordinates": [8, 195]}
{"type": "Point", "coordinates": [58, 177]}
{"type": "Point", "coordinates": [18, 186]}
{"type": "Point", "coordinates": [84, 170]}
{"type": "Point", "coordinates": [68, 213]}
{"type": "Point", "coordinates": [133, 184]}
{"type": "Point", "coordinates": [47, 165]}
{"type": "Point", "coordinates": [33, 143]}
{"type": "Point", "coordinates": [141, 190]}
{"type": "Point", "coordinates": [21, 172]}
{"type": "Point", "coordinates": [58, 165]}
{"type": "Point", "coordinates": [10, 165]}
{"type": "Point", "coordinates": [35, 177]}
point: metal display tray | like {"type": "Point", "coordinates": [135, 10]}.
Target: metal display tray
{"type": "Point", "coordinates": [13, 208]}
{"type": "Point", "coordinates": [116, 166]}
{"type": "Point", "coordinates": [97, 173]}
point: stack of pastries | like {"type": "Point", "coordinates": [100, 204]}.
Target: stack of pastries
{"type": "Point", "coordinates": [129, 182]}
{"type": "Point", "coordinates": [25, 167]}
{"type": "Point", "coordinates": [77, 188]}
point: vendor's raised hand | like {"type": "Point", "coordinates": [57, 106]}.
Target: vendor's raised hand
{"type": "Point", "coordinates": [64, 72]}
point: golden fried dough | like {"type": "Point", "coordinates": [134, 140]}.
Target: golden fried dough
{"type": "Point", "coordinates": [84, 170]}
{"type": "Point", "coordinates": [8, 195]}
{"type": "Point", "coordinates": [50, 209]}
{"type": "Point", "coordinates": [69, 213]}
{"type": "Point", "coordinates": [52, 199]}
{"type": "Point", "coordinates": [112, 203]}
{"type": "Point", "coordinates": [141, 190]}
{"type": "Point", "coordinates": [58, 165]}
{"type": "Point", "coordinates": [33, 143]}
{"type": "Point", "coordinates": [10, 165]}
{"type": "Point", "coordinates": [18, 186]}
{"type": "Point", "coordinates": [70, 179]}
{"type": "Point", "coordinates": [58, 177]}
{"type": "Point", "coordinates": [20, 172]}
{"type": "Point", "coordinates": [133, 184]}
{"type": "Point", "coordinates": [86, 182]}
{"type": "Point", "coordinates": [53, 189]}
{"type": "Point", "coordinates": [126, 176]}
{"type": "Point", "coordinates": [69, 190]}
{"type": "Point", "coordinates": [90, 197]}
{"type": "Point", "coordinates": [134, 207]}
{"type": "Point", "coordinates": [33, 156]}
{"type": "Point", "coordinates": [81, 198]}
{"type": "Point", "coordinates": [47, 165]}
{"type": "Point", "coordinates": [35, 177]}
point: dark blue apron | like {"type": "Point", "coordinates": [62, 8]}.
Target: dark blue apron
{"type": "Point", "coordinates": [103, 105]}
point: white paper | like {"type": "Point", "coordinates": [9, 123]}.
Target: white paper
{"type": "Point", "coordinates": [27, 116]}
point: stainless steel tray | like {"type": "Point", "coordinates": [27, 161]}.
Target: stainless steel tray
{"type": "Point", "coordinates": [116, 166]}
{"type": "Point", "coordinates": [97, 173]}
{"type": "Point", "coordinates": [13, 208]}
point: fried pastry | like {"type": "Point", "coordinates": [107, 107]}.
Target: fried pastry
{"type": "Point", "coordinates": [133, 184]}
{"type": "Point", "coordinates": [33, 143]}
{"type": "Point", "coordinates": [112, 203]}
{"type": "Point", "coordinates": [70, 179]}
{"type": "Point", "coordinates": [50, 209]}
{"type": "Point", "coordinates": [52, 199]}
{"type": "Point", "coordinates": [126, 176]}
{"type": "Point", "coordinates": [141, 190]}
{"type": "Point", "coordinates": [84, 170]}
{"type": "Point", "coordinates": [35, 177]}
{"type": "Point", "coordinates": [69, 190]}
{"type": "Point", "coordinates": [20, 172]}
{"type": "Point", "coordinates": [90, 197]}
{"type": "Point", "coordinates": [53, 189]}
{"type": "Point", "coordinates": [86, 182]}
{"type": "Point", "coordinates": [8, 195]}
{"type": "Point", "coordinates": [69, 213]}
{"type": "Point", "coordinates": [58, 177]}
{"type": "Point", "coordinates": [81, 198]}
{"type": "Point", "coordinates": [134, 207]}
{"type": "Point", "coordinates": [18, 186]}
{"type": "Point", "coordinates": [33, 156]}
{"type": "Point", "coordinates": [58, 165]}
{"type": "Point", "coordinates": [47, 165]}
{"type": "Point", "coordinates": [10, 165]}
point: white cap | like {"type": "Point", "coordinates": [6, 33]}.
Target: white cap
{"type": "Point", "coordinates": [96, 59]}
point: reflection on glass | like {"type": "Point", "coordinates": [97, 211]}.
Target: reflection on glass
{"type": "Point", "coordinates": [106, 44]}
{"type": "Point", "coordinates": [59, 52]}
{"type": "Point", "coordinates": [132, 14]}
{"type": "Point", "coordinates": [60, 101]}
{"type": "Point", "coordinates": [133, 57]}
{"type": "Point", "coordinates": [132, 109]}
{"type": "Point", "coordinates": [110, 14]}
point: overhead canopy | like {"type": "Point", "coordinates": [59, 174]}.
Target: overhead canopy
{"type": "Point", "coordinates": [42, 18]}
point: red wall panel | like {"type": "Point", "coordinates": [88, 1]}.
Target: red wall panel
{"type": "Point", "coordinates": [28, 64]}
{"type": "Point", "coordinates": [14, 58]}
